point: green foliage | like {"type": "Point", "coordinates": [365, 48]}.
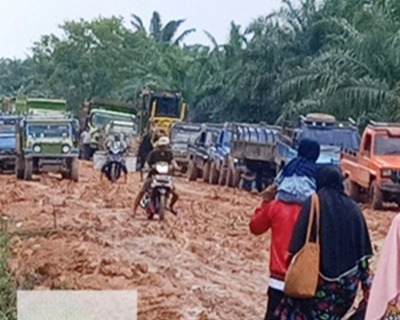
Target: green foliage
{"type": "Point", "coordinates": [336, 56]}
{"type": "Point", "coordinates": [8, 302]}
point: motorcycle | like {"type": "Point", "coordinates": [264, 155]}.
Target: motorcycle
{"type": "Point", "coordinates": [155, 199]}
{"type": "Point", "coordinates": [115, 162]}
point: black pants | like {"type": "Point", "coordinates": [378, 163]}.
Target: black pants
{"type": "Point", "coordinates": [86, 152]}
{"type": "Point", "coordinates": [274, 299]}
{"type": "Point", "coordinates": [259, 182]}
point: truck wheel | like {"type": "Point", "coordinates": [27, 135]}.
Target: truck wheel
{"type": "Point", "coordinates": [236, 178]}
{"type": "Point", "coordinates": [222, 177]}
{"type": "Point", "coordinates": [375, 196]}
{"type": "Point", "coordinates": [192, 171]}
{"type": "Point", "coordinates": [214, 174]}
{"type": "Point", "coordinates": [352, 189]}
{"type": "Point", "coordinates": [28, 168]}
{"type": "Point", "coordinates": [74, 170]}
{"type": "Point", "coordinates": [229, 178]}
{"type": "Point", "coordinates": [19, 168]}
{"type": "Point", "coordinates": [206, 172]}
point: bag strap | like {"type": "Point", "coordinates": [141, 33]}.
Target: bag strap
{"type": "Point", "coordinates": [318, 217]}
{"type": "Point", "coordinates": [314, 211]}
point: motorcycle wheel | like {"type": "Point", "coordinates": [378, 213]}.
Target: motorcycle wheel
{"type": "Point", "coordinates": [161, 207]}
{"type": "Point", "coordinates": [118, 169]}
{"type": "Point", "coordinates": [113, 172]}
{"type": "Point", "coordinates": [150, 208]}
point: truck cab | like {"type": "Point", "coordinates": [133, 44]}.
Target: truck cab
{"type": "Point", "coordinates": [374, 169]}
{"type": "Point", "coordinates": [99, 114]}
{"type": "Point", "coordinates": [7, 141]}
{"type": "Point", "coordinates": [181, 135]}
{"type": "Point", "coordinates": [199, 151]}
{"type": "Point", "coordinates": [219, 154]}
{"type": "Point", "coordinates": [331, 135]}
{"type": "Point", "coordinates": [46, 140]}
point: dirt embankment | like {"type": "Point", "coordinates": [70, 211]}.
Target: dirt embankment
{"type": "Point", "coordinates": [203, 265]}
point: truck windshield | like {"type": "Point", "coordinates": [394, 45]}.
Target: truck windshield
{"type": "Point", "coordinates": [128, 130]}
{"type": "Point", "coordinates": [49, 130]}
{"type": "Point", "coordinates": [99, 119]}
{"type": "Point", "coordinates": [168, 107]}
{"type": "Point", "coordinates": [343, 138]}
{"type": "Point", "coordinates": [387, 145]}
{"type": "Point", "coordinates": [183, 136]}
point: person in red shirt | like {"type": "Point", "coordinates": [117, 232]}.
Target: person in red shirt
{"type": "Point", "coordinates": [281, 217]}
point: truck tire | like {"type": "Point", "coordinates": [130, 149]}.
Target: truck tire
{"type": "Point", "coordinates": [236, 178]}
{"type": "Point", "coordinates": [232, 181]}
{"type": "Point", "coordinates": [28, 169]}
{"type": "Point", "coordinates": [222, 177]}
{"type": "Point", "coordinates": [206, 172]}
{"type": "Point", "coordinates": [229, 180]}
{"type": "Point", "coordinates": [352, 189]}
{"type": "Point", "coordinates": [375, 194]}
{"type": "Point", "coordinates": [19, 168]}
{"type": "Point", "coordinates": [74, 170]}
{"type": "Point", "coordinates": [214, 174]}
{"type": "Point", "coordinates": [192, 173]}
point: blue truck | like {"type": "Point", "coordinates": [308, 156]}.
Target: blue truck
{"type": "Point", "coordinates": [7, 141]}
{"type": "Point", "coordinates": [241, 147]}
{"type": "Point", "coordinates": [199, 151]}
{"type": "Point", "coordinates": [331, 135]}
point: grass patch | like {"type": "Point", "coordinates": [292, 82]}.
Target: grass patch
{"type": "Point", "coordinates": [8, 298]}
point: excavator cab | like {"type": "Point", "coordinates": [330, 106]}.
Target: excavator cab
{"type": "Point", "coordinates": [162, 109]}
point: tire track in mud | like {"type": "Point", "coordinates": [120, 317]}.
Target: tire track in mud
{"type": "Point", "coordinates": [202, 265]}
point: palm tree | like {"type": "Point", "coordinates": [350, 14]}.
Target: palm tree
{"type": "Point", "coordinates": [160, 33]}
{"type": "Point", "coordinates": [358, 75]}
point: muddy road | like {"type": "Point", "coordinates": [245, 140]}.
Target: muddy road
{"type": "Point", "coordinates": [204, 264]}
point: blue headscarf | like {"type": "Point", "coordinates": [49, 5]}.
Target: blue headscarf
{"type": "Point", "coordinates": [304, 163]}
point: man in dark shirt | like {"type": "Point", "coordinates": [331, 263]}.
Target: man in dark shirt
{"type": "Point", "coordinates": [160, 154]}
{"type": "Point", "coordinates": [145, 148]}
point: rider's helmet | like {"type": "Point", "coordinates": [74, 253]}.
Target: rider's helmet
{"type": "Point", "coordinates": [162, 142]}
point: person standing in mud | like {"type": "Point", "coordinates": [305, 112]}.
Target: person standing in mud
{"type": "Point", "coordinates": [345, 250]}
{"type": "Point", "coordinates": [145, 147]}
{"type": "Point", "coordinates": [281, 206]}
{"type": "Point", "coordinates": [86, 141]}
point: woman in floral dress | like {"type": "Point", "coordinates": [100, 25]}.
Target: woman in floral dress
{"type": "Point", "coordinates": [345, 250]}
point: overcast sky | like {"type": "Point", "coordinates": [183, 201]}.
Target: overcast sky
{"type": "Point", "coordinates": [24, 21]}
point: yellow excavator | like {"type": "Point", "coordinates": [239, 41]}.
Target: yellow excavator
{"type": "Point", "coordinates": [161, 109]}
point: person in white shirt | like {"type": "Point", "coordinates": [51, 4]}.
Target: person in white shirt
{"type": "Point", "coordinates": [86, 140]}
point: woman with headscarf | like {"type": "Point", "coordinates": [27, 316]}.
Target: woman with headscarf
{"type": "Point", "coordinates": [384, 299]}
{"type": "Point", "coordinates": [345, 249]}
{"type": "Point", "coordinates": [294, 184]}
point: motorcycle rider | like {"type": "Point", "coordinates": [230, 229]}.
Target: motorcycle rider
{"type": "Point", "coordinates": [119, 142]}
{"type": "Point", "coordinates": [161, 153]}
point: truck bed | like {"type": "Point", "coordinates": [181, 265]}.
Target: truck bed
{"type": "Point", "coordinates": [252, 150]}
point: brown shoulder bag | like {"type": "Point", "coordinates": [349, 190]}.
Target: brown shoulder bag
{"type": "Point", "coordinates": [303, 272]}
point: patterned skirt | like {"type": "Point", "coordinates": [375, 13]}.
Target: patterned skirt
{"type": "Point", "coordinates": [332, 301]}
